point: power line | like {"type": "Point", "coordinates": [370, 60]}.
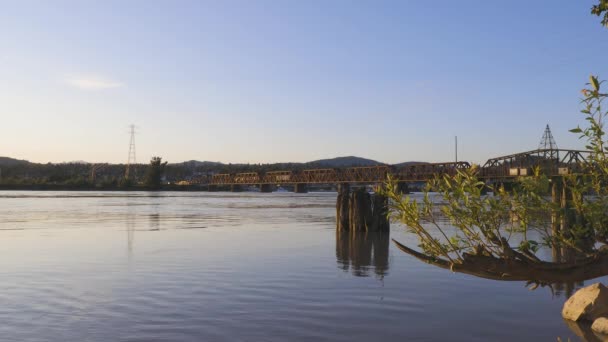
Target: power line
{"type": "Point", "coordinates": [132, 156]}
{"type": "Point", "coordinates": [547, 142]}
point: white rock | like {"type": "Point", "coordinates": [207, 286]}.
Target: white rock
{"type": "Point", "coordinates": [588, 303]}
{"type": "Point", "coordinates": [600, 325]}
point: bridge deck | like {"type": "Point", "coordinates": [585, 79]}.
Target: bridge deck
{"type": "Point", "coordinates": [551, 163]}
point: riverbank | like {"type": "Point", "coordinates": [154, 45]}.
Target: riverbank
{"type": "Point", "coordinates": [63, 187]}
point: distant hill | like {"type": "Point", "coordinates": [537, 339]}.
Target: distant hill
{"type": "Point", "coordinates": [76, 162]}
{"type": "Point", "coordinates": [196, 163]}
{"type": "Point", "coordinates": [409, 163]}
{"type": "Point", "coordinates": [6, 161]}
{"type": "Point", "coordinates": [345, 162]}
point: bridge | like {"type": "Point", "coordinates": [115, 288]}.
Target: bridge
{"type": "Point", "coordinates": [548, 158]}
{"type": "Point", "coordinates": [552, 162]}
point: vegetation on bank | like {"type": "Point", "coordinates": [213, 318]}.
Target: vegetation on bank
{"type": "Point", "coordinates": [79, 176]}
{"type": "Point", "coordinates": [499, 237]}
{"type": "Point", "coordinates": [22, 174]}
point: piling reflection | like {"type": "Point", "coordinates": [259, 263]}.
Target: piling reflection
{"type": "Point", "coordinates": [363, 253]}
{"type": "Point", "coordinates": [130, 228]}
{"type": "Point", "coordinates": [568, 287]}
{"type": "Point", "coordinates": [154, 221]}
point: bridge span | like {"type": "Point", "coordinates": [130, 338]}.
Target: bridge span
{"type": "Point", "coordinates": [552, 162]}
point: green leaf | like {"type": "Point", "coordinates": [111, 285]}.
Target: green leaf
{"type": "Point", "coordinates": [594, 83]}
{"type": "Point", "coordinates": [576, 130]}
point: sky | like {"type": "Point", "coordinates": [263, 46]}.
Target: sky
{"type": "Point", "coordinates": [292, 81]}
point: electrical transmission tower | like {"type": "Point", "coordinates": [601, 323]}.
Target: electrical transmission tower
{"type": "Point", "coordinates": [548, 144]}
{"type": "Point", "coordinates": [131, 161]}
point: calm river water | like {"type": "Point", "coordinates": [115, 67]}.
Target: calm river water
{"type": "Point", "coordinates": [112, 266]}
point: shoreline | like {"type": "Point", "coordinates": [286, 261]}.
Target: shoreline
{"type": "Point", "coordinates": [52, 187]}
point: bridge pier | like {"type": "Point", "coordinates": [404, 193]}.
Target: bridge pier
{"type": "Point", "coordinates": [403, 188]}
{"type": "Point", "coordinates": [300, 188]}
{"type": "Point", "coordinates": [357, 210]}
{"type": "Point", "coordinates": [265, 188]}
{"type": "Point", "coordinates": [236, 188]}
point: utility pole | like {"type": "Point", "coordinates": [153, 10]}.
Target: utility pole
{"type": "Point", "coordinates": [131, 159]}
{"type": "Point", "coordinates": [548, 144]}
{"type": "Point", "coordinates": [456, 147]}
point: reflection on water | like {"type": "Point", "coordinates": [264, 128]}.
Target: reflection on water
{"type": "Point", "coordinates": [130, 222]}
{"type": "Point", "coordinates": [363, 252]}
{"type": "Point", "coordinates": [566, 288]}
{"type": "Point", "coordinates": [245, 267]}
{"type": "Point", "coordinates": [154, 221]}
{"type": "Point", "coordinates": [583, 331]}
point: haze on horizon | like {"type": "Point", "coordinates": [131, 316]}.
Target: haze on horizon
{"type": "Point", "coordinates": [287, 81]}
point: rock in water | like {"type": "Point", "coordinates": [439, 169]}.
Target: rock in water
{"type": "Point", "coordinates": [588, 303]}
{"type": "Point", "coordinates": [600, 325]}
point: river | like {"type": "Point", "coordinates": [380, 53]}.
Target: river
{"type": "Point", "coordinates": [175, 266]}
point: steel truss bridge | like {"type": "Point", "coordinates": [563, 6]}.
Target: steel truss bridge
{"type": "Point", "coordinates": [552, 162]}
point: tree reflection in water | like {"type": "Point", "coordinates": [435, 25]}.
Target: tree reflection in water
{"type": "Point", "coordinates": [560, 280]}
{"type": "Point", "coordinates": [363, 253]}
{"type": "Point", "coordinates": [566, 288]}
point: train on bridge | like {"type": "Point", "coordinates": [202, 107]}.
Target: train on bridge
{"type": "Point", "coordinates": [366, 174]}
{"type": "Point", "coordinates": [551, 162]}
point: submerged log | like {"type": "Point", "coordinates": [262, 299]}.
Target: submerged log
{"type": "Point", "coordinates": [490, 267]}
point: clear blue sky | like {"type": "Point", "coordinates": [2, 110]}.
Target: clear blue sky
{"type": "Point", "coordinates": [268, 81]}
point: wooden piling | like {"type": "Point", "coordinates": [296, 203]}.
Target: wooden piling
{"type": "Point", "coordinates": [358, 211]}
{"type": "Point", "coordinates": [342, 220]}
{"type": "Point", "coordinates": [556, 193]}
{"type": "Point", "coordinates": [380, 221]}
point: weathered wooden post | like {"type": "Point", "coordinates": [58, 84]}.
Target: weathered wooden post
{"type": "Point", "coordinates": [342, 220]}
{"type": "Point", "coordinates": [556, 193]}
{"type": "Point", "coordinates": [563, 218]}
{"type": "Point", "coordinates": [357, 210]}
{"type": "Point", "coordinates": [360, 210]}
{"type": "Point", "coordinates": [380, 221]}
